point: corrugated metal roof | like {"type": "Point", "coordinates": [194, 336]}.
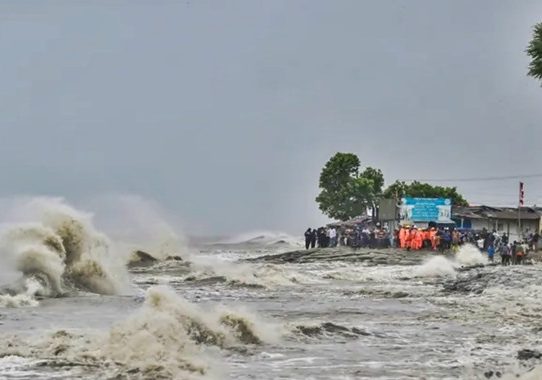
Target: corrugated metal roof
{"type": "Point", "coordinates": [487, 212]}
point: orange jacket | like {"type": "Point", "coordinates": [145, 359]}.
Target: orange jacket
{"type": "Point", "coordinates": [418, 239]}
{"type": "Point", "coordinates": [427, 235]}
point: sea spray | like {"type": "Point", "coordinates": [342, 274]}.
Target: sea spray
{"type": "Point", "coordinates": [141, 229]}
{"type": "Point", "coordinates": [40, 262]}
{"type": "Point", "coordinates": [441, 266]}
{"type": "Point", "coordinates": [25, 297]}
{"type": "Point", "coordinates": [437, 266]}
{"type": "Point", "coordinates": [136, 223]}
{"type": "Point", "coordinates": [469, 255]}
{"type": "Point", "coordinates": [59, 246]}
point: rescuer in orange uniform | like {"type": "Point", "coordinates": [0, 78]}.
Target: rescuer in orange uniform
{"type": "Point", "coordinates": [402, 237]}
{"type": "Point", "coordinates": [409, 236]}
{"type": "Point", "coordinates": [413, 233]}
{"type": "Point", "coordinates": [418, 239]}
{"type": "Point", "coordinates": [426, 237]}
{"type": "Point", "coordinates": [412, 238]}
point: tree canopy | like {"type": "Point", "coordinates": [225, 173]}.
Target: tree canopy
{"type": "Point", "coordinates": [534, 50]}
{"type": "Point", "coordinates": [345, 192]}
{"type": "Point", "coordinates": [417, 189]}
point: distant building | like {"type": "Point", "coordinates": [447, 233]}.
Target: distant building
{"type": "Point", "coordinates": [500, 219]}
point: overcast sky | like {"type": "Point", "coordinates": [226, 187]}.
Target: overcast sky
{"type": "Point", "coordinates": [224, 112]}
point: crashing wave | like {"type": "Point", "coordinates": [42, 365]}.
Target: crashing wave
{"type": "Point", "coordinates": [242, 274]}
{"type": "Point", "coordinates": [214, 269]}
{"type": "Point", "coordinates": [168, 337]}
{"type": "Point", "coordinates": [436, 267]}
{"type": "Point", "coordinates": [26, 297]}
{"type": "Point", "coordinates": [469, 255]}
{"type": "Point", "coordinates": [440, 266]}
{"type": "Point", "coordinates": [62, 251]}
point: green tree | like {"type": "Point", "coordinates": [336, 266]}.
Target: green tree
{"type": "Point", "coordinates": [534, 50]}
{"type": "Point", "coordinates": [400, 189]}
{"type": "Point", "coordinates": [345, 192]}
{"type": "Point", "coordinates": [396, 190]}
{"type": "Point", "coordinates": [376, 176]}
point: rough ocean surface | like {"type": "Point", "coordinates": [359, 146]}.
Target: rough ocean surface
{"type": "Point", "coordinates": [258, 309]}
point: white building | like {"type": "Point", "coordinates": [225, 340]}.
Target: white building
{"type": "Point", "coordinates": [500, 219]}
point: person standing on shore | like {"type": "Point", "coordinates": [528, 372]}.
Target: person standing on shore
{"type": "Point", "coordinates": [396, 242]}
{"type": "Point", "coordinates": [332, 237]}
{"type": "Point", "coordinates": [491, 252]}
{"type": "Point", "coordinates": [433, 238]}
{"type": "Point", "coordinates": [308, 238]}
{"type": "Point", "coordinates": [505, 252]}
{"type": "Point", "coordinates": [319, 237]}
{"type": "Point", "coordinates": [533, 243]}
{"type": "Point", "coordinates": [326, 237]}
{"type": "Point", "coordinates": [314, 236]}
{"type": "Point", "coordinates": [417, 241]}
{"type": "Point", "coordinates": [520, 254]}
{"type": "Point", "coordinates": [412, 238]}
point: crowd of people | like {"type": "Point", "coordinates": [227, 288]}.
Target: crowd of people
{"type": "Point", "coordinates": [431, 238]}
{"type": "Point", "coordinates": [359, 237]}
{"type": "Point", "coordinates": [511, 253]}
{"type": "Point", "coordinates": [322, 237]}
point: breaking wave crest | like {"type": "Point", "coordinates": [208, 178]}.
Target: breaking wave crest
{"type": "Point", "coordinates": [25, 298]}
{"type": "Point", "coordinates": [441, 266]}
{"type": "Point", "coordinates": [244, 274]}
{"type": "Point", "coordinates": [213, 269]}
{"type": "Point", "coordinates": [168, 337]}
{"type": "Point", "coordinates": [61, 251]}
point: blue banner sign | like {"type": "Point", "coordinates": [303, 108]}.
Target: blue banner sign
{"type": "Point", "coordinates": [426, 209]}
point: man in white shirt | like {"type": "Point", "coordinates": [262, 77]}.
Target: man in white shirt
{"type": "Point", "coordinates": [332, 237]}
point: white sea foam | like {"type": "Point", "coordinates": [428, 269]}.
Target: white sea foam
{"type": "Point", "coordinates": [517, 372]}
{"type": "Point", "coordinates": [534, 374]}
{"type": "Point", "coordinates": [437, 266]}
{"type": "Point", "coordinates": [25, 298]}
{"type": "Point", "coordinates": [470, 255]}
{"type": "Point", "coordinates": [168, 337]}
{"type": "Point", "coordinates": [266, 275]}
{"type": "Point", "coordinates": [59, 247]}
{"type": "Point", "coordinates": [440, 266]}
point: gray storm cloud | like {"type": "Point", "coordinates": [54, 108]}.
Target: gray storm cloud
{"type": "Point", "coordinates": [224, 112]}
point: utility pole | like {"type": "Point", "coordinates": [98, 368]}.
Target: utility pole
{"type": "Point", "coordinates": [520, 204]}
